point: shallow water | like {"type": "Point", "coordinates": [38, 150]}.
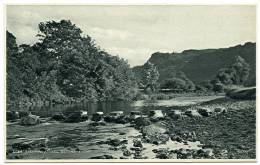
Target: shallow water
{"type": "Point", "coordinates": [79, 140]}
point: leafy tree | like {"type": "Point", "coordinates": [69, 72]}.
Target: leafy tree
{"type": "Point", "coordinates": [189, 85]}
{"type": "Point", "coordinates": [83, 70]}
{"type": "Point", "coordinates": [150, 76]}
{"type": "Point", "coordinates": [175, 83]}
{"type": "Point", "coordinates": [14, 86]}
{"type": "Point", "coordinates": [236, 74]}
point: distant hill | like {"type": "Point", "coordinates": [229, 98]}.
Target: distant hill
{"type": "Point", "coordinates": [201, 65]}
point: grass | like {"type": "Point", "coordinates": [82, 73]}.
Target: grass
{"type": "Point", "coordinates": [234, 131]}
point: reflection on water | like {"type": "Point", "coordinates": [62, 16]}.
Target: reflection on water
{"type": "Point", "coordinates": [126, 107]}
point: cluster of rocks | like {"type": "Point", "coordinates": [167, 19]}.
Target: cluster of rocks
{"type": "Point", "coordinates": [29, 144]}
{"type": "Point", "coordinates": [166, 153]}
{"type": "Point", "coordinates": [196, 112]}
{"type": "Point", "coordinates": [182, 136]}
{"type": "Point", "coordinates": [154, 134]}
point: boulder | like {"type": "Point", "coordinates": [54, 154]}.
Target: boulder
{"type": "Point", "coordinates": [137, 143]}
{"type": "Point", "coordinates": [163, 153]}
{"type": "Point", "coordinates": [23, 113]}
{"type": "Point", "coordinates": [242, 93]}
{"type": "Point", "coordinates": [219, 110]}
{"type": "Point", "coordinates": [141, 122]}
{"type": "Point", "coordinates": [127, 153]}
{"type": "Point", "coordinates": [156, 115]}
{"type": "Point", "coordinates": [175, 114]}
{"type": "Point", "coordinates": [98, 116]}
{"type": "Point", "coordinates": [74, 117]}
{"type": "Point", "coordinates": [77, 116]}
{"type": "Point", "coordinates": [135, 114]}
{"type": "Point", "coordinates": [192, 113]}
{"type": "Point", "coordinates": [115, 142]}
{"type": "Point", "coordinates": [204, 111]}
{"type": "Point", "coordinates": [84, 116]}
{"type": "Point", "coordinates": [30, 144]}
{"type": "Point", "coordinates": [30, 120]}
{"type": "Point", "coordinates": [12, 115]}
{"type": "Point", "coordinates": [58, 117]}
{"type": "Point", "coordinates": [155, 134]}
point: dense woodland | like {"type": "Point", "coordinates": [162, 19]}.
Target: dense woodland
{"type": "Point", "coordinates": [66, 66]}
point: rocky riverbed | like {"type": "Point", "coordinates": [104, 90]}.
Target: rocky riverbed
{"type": "Point", "coordinates": [218, 129]}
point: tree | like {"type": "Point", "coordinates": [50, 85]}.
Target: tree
{"type": "Point", "coordinates": [83, 70]}
{"type": "Point", "coordinates": [236, 74]}
{"type": "Point", "coordinates": [240, 70]}
{"type": "Point", "coordinates": [14, 84]}
{"type": "Point", "coordinates": [175, 83]}
{"type": "Point", "coordinates": [150, 76]}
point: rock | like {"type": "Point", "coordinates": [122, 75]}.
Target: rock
{"type": "Point", "coordinates": [127, 153]}
{"type": "Point", "coordinates": [176, 138]}
{"type": "Point", "coordinates": [58, 117]}
{"type": "Point", "coordinates": [30, 120]}
{"type": "Point", "coordinates": [208, 152]}
{"type": "Point", "coordinates": [103, 157]}
{"type": "Point", "coordinates": [30, 144]}
{"type": "Point", "coordinates": [206, 112]}
{"type": "Point", "coordinates": [115, 142]}
{"type": "Point", "coordinates": [135, 114]}
{"type": "Point", "coordinates": [205, 153]}
{"type": "Point", "coordinates": [242, 93]}
{"type": "Point", "coordinates": [155, 134]}
{"type": "Point", "coordinates": [12, 115]}
{"type": "Point", "coordinates": [192, 113]}
{"type": "Point", "coordinates": [122, 120]}
{"type": "Point", "coordinates": [219, 110]}
{"type": "Point", "coordinates": [122, 133]}
{"type": "Point", "coordinates": [98, 116]}
{"type": "Point", "coordinates": [153, 129]}
{"type": "Point", "coordinates": [137, 143]}
{"type": "Point", "coordinates": [141, 122]}
{"type": "Point", "coordinates": [175, 114]}
{"type": "Point", "coordinates": [23, 113]}
{"type": "Point", "coordinates": [84, 116]}
{"type": "Point", "coordinates": [163, 153]}
{"type": "Point", "coordinates": [73, 117]}
{"type": "Point", "coordinates": [137, 149]}
{"type": "Point", "coordinates": [114, 116]}
{"type": "Point", "coordinates": [77, 116]}
{"type": "Point", "coordinates": [156, 115]}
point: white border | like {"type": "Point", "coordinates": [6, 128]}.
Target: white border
{"type": "Point", "coordinates": [112, 2]}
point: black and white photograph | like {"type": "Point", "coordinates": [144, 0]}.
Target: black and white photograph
{"type": "Point", "coordinates": [123, 83]}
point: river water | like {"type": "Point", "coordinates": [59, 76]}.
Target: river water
{"type": "Point", "coordinates": [80, 140]}
{"type": "Point", "coordinates": [126, 107]}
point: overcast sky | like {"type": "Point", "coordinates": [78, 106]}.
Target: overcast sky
{"type": "Point", "coordinates": [135, 32]}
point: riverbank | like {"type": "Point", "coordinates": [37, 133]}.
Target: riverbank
{"type": "Point", "coordinates": [233, 132]}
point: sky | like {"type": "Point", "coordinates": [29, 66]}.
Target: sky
{"type": "Point", "coordinates": [135, 32]}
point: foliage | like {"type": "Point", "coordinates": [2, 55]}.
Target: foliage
{"type": "Point", "coordinates": [180, 83]}
{"type": "Point", "coordinates": [236, 74]}
{"type": "Point", "coordinates": [65, 65]}
{"type": "Point", "coordinates": [150, 76]}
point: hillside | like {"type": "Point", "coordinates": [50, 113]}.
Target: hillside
{"type": "Point", "coordinates": [201, 65]}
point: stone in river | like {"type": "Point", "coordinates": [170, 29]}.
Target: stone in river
{"type": "Point", "coordinates": [58, 117]}
{"type": "Point", "coordinates": [141, 122]}
{"type": "Point", "coordinates": [30, 120]}
{"type": "Point", "coordinates": [98, 116]}
{"type": "Point", "coordinates": [12, 115]}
